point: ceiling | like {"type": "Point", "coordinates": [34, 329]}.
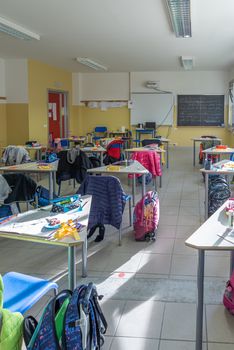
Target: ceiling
{"type": "Point", "coordinates": [124, 35]}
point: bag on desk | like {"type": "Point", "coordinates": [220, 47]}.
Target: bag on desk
{"type": "Point", "coordinates": [70, 321]}
{"type": "Point", "coordinates": [228, 297]}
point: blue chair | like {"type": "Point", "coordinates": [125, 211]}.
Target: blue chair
{"type": "Point", "coordinates": [99, 130]}
{"type": "Point", "coordinates": [21, 291]}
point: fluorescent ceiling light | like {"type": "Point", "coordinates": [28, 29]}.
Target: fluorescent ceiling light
{"type": "Point", "coordinates": [91, 64]}
{"type": "Point", "coordinates": [16, 30]}
{"type": "Point", "coordinates": [187, 62]}
{"type": "Point", "coordinates": [180, 15]}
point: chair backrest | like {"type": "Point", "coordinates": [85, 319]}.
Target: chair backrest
{"type": "Point", "coordinates": [100, 129]}
{"type": "Point", "coordinates": [114, 148]}
{"type": "Point", "coordinates": [147, 142]}
{"type": "Point", "coordinates": [23, 187]}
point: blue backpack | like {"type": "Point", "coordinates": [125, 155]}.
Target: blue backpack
{"type": "Point", "coordinates": [71, 321]}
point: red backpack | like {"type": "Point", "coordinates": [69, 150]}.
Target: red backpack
{"type": "Point", "coordinates": [146, 217]}
{"type": "Point", "coordinates": [228, 297]}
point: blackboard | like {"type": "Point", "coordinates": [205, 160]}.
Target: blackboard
{"type": "Point", "coordinates": [200, 110]}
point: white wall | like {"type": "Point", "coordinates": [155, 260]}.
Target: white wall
{"type": "Point", "coordinates": [104, 86]}
{"type": "Point", "coordinates": [186, 82]}
{"type": "Point", "coordinates": [2, 80]}
{"type": "Point", "coordinates": [16, 80]}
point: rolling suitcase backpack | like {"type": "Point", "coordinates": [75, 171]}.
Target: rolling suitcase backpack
{"type": "Point", "coordinates": [228, 297]}
{"type": "Point", "coordinates": [146, 217]}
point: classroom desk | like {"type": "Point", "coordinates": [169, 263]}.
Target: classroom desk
{"type": "Point", "coordinates": [145, 149]}
{"type": "Point", "coordinates": [38, 150]}
{"type": "Point", "coordinates": [139, 132]}
{"type": "Point", "coordinates": [134, 168]}
{"type": "Point", "coordinates": [206, 237]}
{"type": "Point", "coordinates": [74, 140]}
{"type": "Point", "coordinates": [69, 243]}
{"type": "Point", "coordinates": [213, 171]}
{"type": "Point", "coordinates": [117, 133]}
{"type": "Point", "coordinates": [165, 141]}
{"type": "Point", "coordinates": [201, 139]}
{"type": "Point", "coordinates": [98, 150]}
{"type": "Point", "coordinates": [214, 151]}
{"type": "Point", "coordinates": [32, 167]}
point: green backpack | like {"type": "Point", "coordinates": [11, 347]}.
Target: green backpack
{"type": "Point", "coordinates": [11, 326]}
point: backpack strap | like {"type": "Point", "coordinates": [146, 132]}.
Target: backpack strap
{"type": "Point", "coordinates": [72, 336]}
{"type": "Point", "coordinates": [44, 335]}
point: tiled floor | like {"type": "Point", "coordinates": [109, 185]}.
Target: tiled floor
{"type": "Point", "coordinates": [149, 288]}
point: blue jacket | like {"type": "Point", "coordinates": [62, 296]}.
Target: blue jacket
{"type": "Point", "coordinates": [108, 200]}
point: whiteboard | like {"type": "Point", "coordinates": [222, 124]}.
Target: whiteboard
{"type": "Point", "coordinates": [152, 107]}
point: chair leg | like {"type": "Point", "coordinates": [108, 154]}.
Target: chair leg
{"type": "Point", "coordinates": [59, 189]}
{"type": "Point", "coordinates": [120, 235]}
{"type": "Point", "coordinates": [130, 212]}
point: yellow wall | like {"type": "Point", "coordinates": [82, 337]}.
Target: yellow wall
{"type": "Point", "coordinates": [86, 119]}
{"type": "Point", "coordinates": [3, 123]}
{"type": "Point", "coordinates": [17, 123]}
{"type": "Point", "coordinates": [112, 118]}
{"type": "Point", "coordinates": [42, 77]}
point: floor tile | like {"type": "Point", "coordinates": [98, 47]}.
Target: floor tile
{"type": "Point", "coordinates": [123, 343]}
{"type": "Point", "coordinates": [189, 202]}
{"type": "Point", "coordinates": [165, 231]}
{"type": "Point", "coordinates": [179, 321]}
{"type": "Point", "coordinates": [220, 346]}
{"type": "Point", "coordinates": [188, 220]}
{"type": "Point", "coordinates": [176, 345]}
{"type": "Point", "coordinates": [107, 343]}
{"type": "Point", "coordinates": [181, 248]}
{"type": "Point", "coordinates": [185, 231]}
{"type": "Point", "coordinates": [184, 265]}
{"type": "Point", "coordinates": [155, 264]}
{"type": "Point", "coordinates": [160, 246]}
{"type": "Point", "coordinates": [123, 262]}
{"type": "Point", "coordinates": [168, 219]}
{"type": "Point", "coordinates": [220, 324]}
{"type": "Point", "coordinates": [112, 309]}
{"type": "Point", "coordinates": [141, 319]}
{"type": "Point", "coordinates": [217, 266]}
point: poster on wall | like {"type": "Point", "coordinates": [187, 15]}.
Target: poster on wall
{"type": "Point", "coordinates": [54, 111]}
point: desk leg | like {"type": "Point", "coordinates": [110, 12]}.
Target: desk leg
{"type": "Point", "coordinates": [101, 157]}
{"type": "Point", "coordinates": [72, 267]}
{"type": "Point", "coordinates": [194, 152]}
{"type": "Point", "coordinates": [200, 289]}
{"type": "Point", "coordinates": [133, 189]}
{"type": "Point", "coordinates": [167, 155]}
{"type": "Point", "coordinates": [155, 183]}
{"type": "Point", "coordinates": [51, 185]}
{"type": "Point", "coordinates": [160, 178]}
{"type": "Point", "coordinates": [231, 262]}
{"type": "Point", "coordinates": [206, 195]}
{"type": "Point", "coordinates": [143, 185]}
{"type": "Point", "coordinates": [84, 258]}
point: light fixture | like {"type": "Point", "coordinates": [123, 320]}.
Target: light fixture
{"type": "Point", "coordinates": [180, 15]}
{"type": "Point", "coordinates": [16, 30]}
{"type": "Point", "coordinates": [187, 62]}
{"type": "Point", "coordinates": [91, 64]}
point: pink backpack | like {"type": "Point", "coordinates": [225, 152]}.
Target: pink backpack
{"type": "Point", "coordinates": [228, 297]}
{"type": "Point", "coordinates": [146, 217]}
